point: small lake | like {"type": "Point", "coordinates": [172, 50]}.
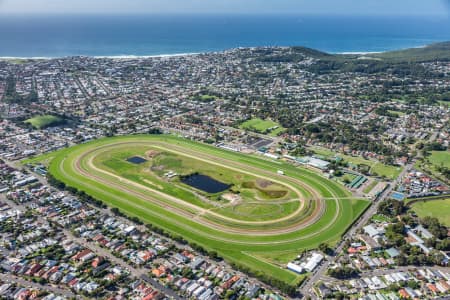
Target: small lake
{"type": "Point", "coordinates": [205, 183]}
{"type": "Point", "coordinates": [136, 160]}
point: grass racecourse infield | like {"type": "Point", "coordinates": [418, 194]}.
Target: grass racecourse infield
{"type": "Point", "coordinates": [260, 221]}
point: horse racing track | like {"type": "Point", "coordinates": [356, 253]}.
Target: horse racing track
{"type": "Point", "coordinates": [240, 206]}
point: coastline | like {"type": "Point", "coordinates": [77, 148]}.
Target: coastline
{"type": "Point", "coordinates": [134, 37]}
{"type": "Point", "coordinates": [132, 56]}
{"type": "Point", "coordinates": [361, 52]}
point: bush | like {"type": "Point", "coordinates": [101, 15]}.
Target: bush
{"type": "Point", "coordinates": [342, 273]}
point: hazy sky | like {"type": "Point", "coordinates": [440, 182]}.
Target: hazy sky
{"type": "Point", "coordinates": [361, 7]}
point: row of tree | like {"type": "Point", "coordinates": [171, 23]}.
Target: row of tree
{"type": "Point", "coordinates": [11, 95]}
{"type": "Point", "coordinates": [342, 272]}
{"type": "Point", "coordinates": [264, 277]}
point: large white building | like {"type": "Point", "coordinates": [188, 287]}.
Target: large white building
{"type": "Point", "coordinates": [313, 262]}
{"type": "Point", "coordinates": [295, 268]}
{"type": "Point", "coordinates": [308, 266]}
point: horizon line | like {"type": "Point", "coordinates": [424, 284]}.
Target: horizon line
{"type": "Point", "coordinates": [375, 14]}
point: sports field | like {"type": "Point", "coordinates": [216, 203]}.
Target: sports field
{"type": "Point", "coordinates": [262, 126]}
{"type": "Point", "coordinates": [440, 158]}
{"type": "Point", "coordinates": [434, 208]}
{"type": "Point", "coordinates": [259, 219]}
{"type": "Point", "coordinates": [41, 122]}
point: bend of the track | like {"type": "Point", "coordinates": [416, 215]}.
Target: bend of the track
{"type": "Point", "coordinates": [90, 155]}
{"type": "Point", "coordinates": [214, 237]}
{"type": "Point", "coordinates": [124, 185]}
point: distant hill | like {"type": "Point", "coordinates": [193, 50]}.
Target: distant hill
{"type": "Point", "coordinates": [400, 62]}
{"type": "Point", "coordinates": [433, 52]}
{"type": "Point", "coordinates": [289, 54]}
{"type": "Point", "coordinates": [311, 52]}
{"type": "Point", "coordinates": [366, 63]}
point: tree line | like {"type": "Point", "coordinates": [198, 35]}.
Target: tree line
{"type": "Point", "coordinates": [284, 287]}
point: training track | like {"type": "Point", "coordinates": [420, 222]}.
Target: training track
{"type": "Point", "coordinates": [324, 212]}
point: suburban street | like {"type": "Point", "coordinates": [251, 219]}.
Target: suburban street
{"type": "Point", "coordinates": [9, 278]}
{"type": "Point", "coordinates": [168, 157]}
{"type": "Point", "coordinates": [136, 272]}
{"type": "Point", "coordinates": [306, 287]}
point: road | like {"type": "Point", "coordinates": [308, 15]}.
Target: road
{"type": "Point", "coordinates": [141, 273]}
{"type": "Point", "coordinates": [274, 139]}
{"type": "Point", "coordinates": [82, 87]}
{"type": "Point", "coordinates": [434, 136]}
{"type": "Point", "coordinates": [386, 271]}
{"type": "Point", "coordinates": [135, 272]}
{"type": "Point", "coordinates": [381, 272]}
{"type": "Point", "coordinates": [9, 278]}
{"type": "Point", "coordinates": [306, 287]}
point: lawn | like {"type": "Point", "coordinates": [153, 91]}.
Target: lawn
{"type": "Point", "coordinates": [251, 191]}
{"type": "Point", "coordinates": [207, 98]}
{"type": "Point", "coordinates": [433, 162]}
{"type": "Point", "coordinates": [231, 239]}
{"type": "Point", "coordinates": [387, 171]}
{"type": "Point", "coordinates": [398, 113]}
{"type": "Point", "coordinates": [40, 122]}
{"type": "Point", "coordinates": [434, 208]}
{"type": "Point", "coordinates": [345, 178]}
{"type": "Point", "coordinates": [43, 159]}
{"type": "Point", "coordinates": [377, 167]}
{"type": "Point", "coordinates": [380, 218]}
{"type": "Point", "coordinates": [370, 186]}
{"type": "Point", "coordinates": [17, 61]}
{"type": "Point", "coordinates": [440, 158]}
{"type": "Point", "coordinates": [263, 126]}
{"type": "Point", "coordinates": [444, 103]}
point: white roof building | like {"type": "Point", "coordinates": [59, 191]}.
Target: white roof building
{"type": "Point", "coordinates": [295, 268]}
{"type": "Point", "coordinates": [313, 262]}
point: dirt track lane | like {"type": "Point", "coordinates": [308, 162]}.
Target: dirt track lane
{"type": "Point", "coordinates": [219, 161]}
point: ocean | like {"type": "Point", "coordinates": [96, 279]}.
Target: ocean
{"type": "Point", "coordinates": [146, 35]}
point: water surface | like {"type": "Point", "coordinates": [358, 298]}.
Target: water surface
{"type": "Point", "coordinates": [205, 183]}
{"type": "Point", "coordinates": [56, 36]}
